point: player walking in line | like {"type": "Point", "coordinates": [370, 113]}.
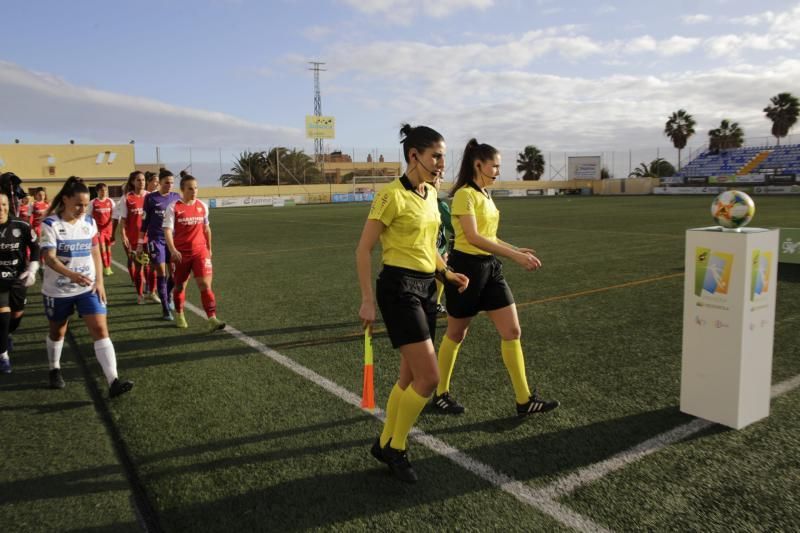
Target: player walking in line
{"type": "Point", "coordinates": [475, 220]}
{"type": "Point", "coordinates": [39, 209]}
{"type": "Point", "coordinates": [25, 209]}
{"type": "Point", "coordinates": [150, 181]}
{"type": "Point", "coordinates": [17, 242]}
{"type": "Point", "coordinates": [73, 279]}
{"type": "Point", "coordinates": [155, 206]}
{"type": "Point", "coordinates": [102, 209]}
{"type": "Point", "coordinates": [444, 238]}
{"type": "Point", "coordinates": [150, 273]}
{"type": "Point", "coordinates": [405, 218]}
{"type": "Point", "coordinates": [131, 209]}
{"type": "Point", "coordinates": [188, 237]}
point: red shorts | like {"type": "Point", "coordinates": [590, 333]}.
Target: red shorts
{"type": "Point", "coordinates": [104, 235]}
{"type": "Point", "coordinates": [133, 240]}
{"type": "Point", "coordinates": [199, 264]}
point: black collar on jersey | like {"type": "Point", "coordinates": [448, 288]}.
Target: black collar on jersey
{"type": "Point", "coordinates": [474, 185]}
{"type": "Point", "coordinates": [407, 185]}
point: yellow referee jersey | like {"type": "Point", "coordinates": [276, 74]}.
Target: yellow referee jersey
{"type": "Point", "coordinates": [412, 222]}
{"type": "Point", "coordinates": [471, 200]}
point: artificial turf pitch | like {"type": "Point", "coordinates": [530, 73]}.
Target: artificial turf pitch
{"type": "Point", "coordinates": [221, 438]}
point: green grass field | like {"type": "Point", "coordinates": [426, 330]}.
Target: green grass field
{"type": "Point", "coordinates": [223, 438]}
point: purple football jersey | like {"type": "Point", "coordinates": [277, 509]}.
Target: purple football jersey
{"type": "Point", "coordinates": [155, 205]}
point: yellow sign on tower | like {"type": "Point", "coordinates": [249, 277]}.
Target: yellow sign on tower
{"type": "Point", "coordinates": [318, 127]}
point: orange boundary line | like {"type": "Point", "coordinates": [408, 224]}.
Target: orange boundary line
{"type": "Point", "coordinates": [602, 289]}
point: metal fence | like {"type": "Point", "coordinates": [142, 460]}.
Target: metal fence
{"type": "Point", "coordinates": [209, 163]}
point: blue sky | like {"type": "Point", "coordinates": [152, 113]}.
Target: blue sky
{"type": "Point", "coordinates": [232, 74]}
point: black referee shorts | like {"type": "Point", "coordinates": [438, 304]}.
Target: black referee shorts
{"type": "Point", "coordinates": [14, 296]}
{"type": "Point", "coordinates": [487, 288]}
{"type": "Point", "coordinates": [407, 300]}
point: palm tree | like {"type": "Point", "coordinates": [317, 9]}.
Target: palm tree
{"type": "Point", "coordinates": [658, 168]}
{"type": "Point", "coordinates": [783, 114]}
{"type": "Point", "coordinates": [250, 168]}
{"type": "Point", "coordinates": [531, 163]}
{"type": "Point", "coordinates": [295, 166]}
{"type": "Point", "coordinates": [728, 135]}
{"type": "Point", "coordinates": [679, 128]}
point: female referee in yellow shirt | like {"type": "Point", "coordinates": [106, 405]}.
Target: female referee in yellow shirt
{"type": "Point", "coordinates": [405, 218]}
{"type": "Point", "coordinates": [475, 220]}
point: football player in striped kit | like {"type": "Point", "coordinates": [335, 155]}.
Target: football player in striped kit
{"type": "Point", "coordinates": [73, 279]}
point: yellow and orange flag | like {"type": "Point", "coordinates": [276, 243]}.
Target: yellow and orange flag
{"type": "Point", "coordinates": [368, 392]}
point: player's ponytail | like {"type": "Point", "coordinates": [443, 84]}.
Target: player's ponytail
{"type": "Point", "coordinates": [74, 185]}
{"type": "Point", "coordinates": [185, 176]}
{"type": "Point", "coordinates": [474, 151]}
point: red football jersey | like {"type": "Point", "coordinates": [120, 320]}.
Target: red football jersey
{"type": "Point", "coordinates": [187, 222]}
{"type": "Point", "coordinates": [131, 208]}
{"type": "Point", "coordinates": [101, 211]}
{"type": "Point", "coordinates": [25, 212]}
{"type": "Point", "coordinates": [39, 214]}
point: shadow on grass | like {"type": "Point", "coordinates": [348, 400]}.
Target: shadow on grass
{"type": "Point", "coordinates": [788, 272]}
{"type": "Point", "coordinates": [327, 500]}
{"type": "Point", "coordinates": [65, 485]}
{"type": "Point", "coordinates": [252, 439]}
{"type": "Point", "coordinates": [559, 452]}
{"type": "Point", "coordinates": [43, 409]}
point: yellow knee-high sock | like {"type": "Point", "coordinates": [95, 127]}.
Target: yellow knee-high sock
{"type": "Point", "coordinates": [439, 291]}
{"type": "Point", "coordinates": [448, 351]}
{"type": "Point", "coordinates": [515, 364]}
{"type": "Point", "coordinates": [391, 414]}
{"type": "Point", "coordinates": [411, 405]}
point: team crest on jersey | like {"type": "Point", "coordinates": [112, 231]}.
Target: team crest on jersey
{"type": "Point", "coordinates": [198, 208]}
{"type": "Point", "coordinates": [16, 232]}
{"type": "Point", "coordinates": [86, 230]}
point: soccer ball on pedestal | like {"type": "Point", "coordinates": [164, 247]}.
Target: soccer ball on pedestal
{"type": "Point", "coordinates": [733, 209]}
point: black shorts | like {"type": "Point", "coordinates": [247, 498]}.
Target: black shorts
{"type": "Point", "coordinates": [407, 300]}
{"type": "Point", "coordinates": [487, 288]}
{"type": "Point", "coordinates": [15, 296]}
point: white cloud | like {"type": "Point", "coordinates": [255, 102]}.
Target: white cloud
{"type": "Point", "coordinates": [317, 33]}
{"type": "Point", "coordinates": [754, 20]}
{"type": "Point", "coordinates": [402, 11]}
{"type": "Point", "coordinates": [46, 104]}
{"type": "Point", "coordinates": [699, 18]}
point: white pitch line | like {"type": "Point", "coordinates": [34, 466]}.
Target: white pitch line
{"type": "Point", "coordinates": [541, 499]}
{"type": "Point", "coordinates": [517, 489]}
{"type": "Point", "coordinates": [592, 473]}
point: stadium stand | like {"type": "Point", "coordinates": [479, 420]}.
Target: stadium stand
{"type": "Point", "coordinates": [724, 162]}
{"type": "Point", "coordinates": [781, 160]}
{"type": "Point", "coordinates": [751, 159]}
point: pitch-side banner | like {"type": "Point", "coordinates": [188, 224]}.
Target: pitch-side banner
{"type": "Point", "coordinates": [318, 127]}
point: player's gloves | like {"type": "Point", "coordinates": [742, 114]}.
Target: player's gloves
{"type": "Point", "coordinates": [143, 259]}
{"type": "Point", "coordinates": [28, 278]}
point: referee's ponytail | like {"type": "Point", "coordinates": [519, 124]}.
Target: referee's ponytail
{"type": "Point", "coordinates": [419, 137]}
{"type": "Point", "coordinates": [474, 151]}
{"type": "Point", "coordinates": [74, 185]}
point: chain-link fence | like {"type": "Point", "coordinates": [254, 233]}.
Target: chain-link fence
{"type": "Point", "coordinates": [341, 165]}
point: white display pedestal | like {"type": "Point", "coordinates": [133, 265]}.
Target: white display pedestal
{"type": "Point", "coordinates": [729, 324]}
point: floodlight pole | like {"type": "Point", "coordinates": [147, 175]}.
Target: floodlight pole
{"type": "Point", "coordinates": [316, 68]}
